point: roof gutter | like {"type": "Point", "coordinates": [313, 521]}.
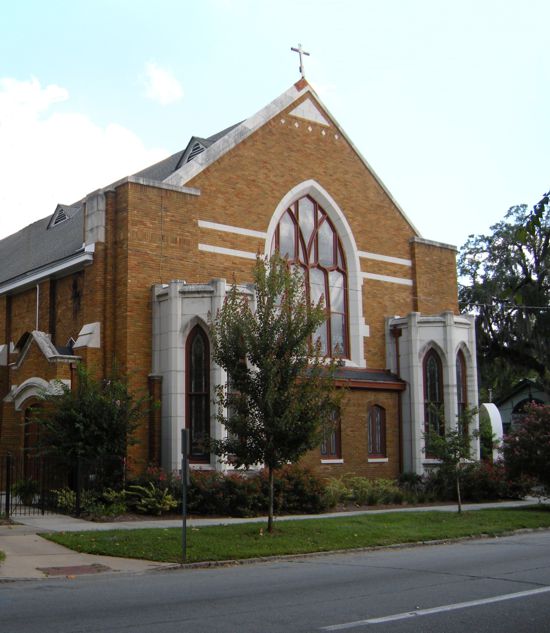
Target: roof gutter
{"type": "Point", "coordinates": [69, 264]}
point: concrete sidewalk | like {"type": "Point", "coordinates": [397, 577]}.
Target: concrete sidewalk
{"type": "Point", "coordinates": [30, 556]}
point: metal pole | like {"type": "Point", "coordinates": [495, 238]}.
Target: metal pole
{"type": "Point", "coordinates": [8, 484]}
{"type": "Point", "coordinates": [78, 488]}
{"type": "Point", "coordinates": [184, 484]}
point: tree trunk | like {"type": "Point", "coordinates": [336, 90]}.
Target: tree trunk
{"type": "Point", "coordinates": [458, 491]}
{"type": "Point", "coordinates": [270, 509]}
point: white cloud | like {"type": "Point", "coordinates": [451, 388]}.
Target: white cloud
{"type": "Point", "coordinates": [49, 157]}
{"type": "Point", "coordinates": [161, 85]}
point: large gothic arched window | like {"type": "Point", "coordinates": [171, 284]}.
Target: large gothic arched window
{"type": "Point", "coordinates": [306, 237]}
{"type": "Point", "coordinates": [461, 391]}
{"type": "Point", "coordinates": [198, 393]}
{"type": "Point", "coordinates": [433, 393]}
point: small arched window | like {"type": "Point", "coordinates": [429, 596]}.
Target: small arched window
{"type": "Point", "coordinates": [461, 391]}
{"type": "Point", "coordinates": [376, 431]}
{"type": "Point", "coordinates": [331, 446]}
{"type": "Point", "coordinates": [198, 393]}
{"type": "Point", "coordinates": [433, 393]}
{"type": "Point", "coordinates": [306, 237]}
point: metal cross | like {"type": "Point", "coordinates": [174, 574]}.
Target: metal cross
{"type": "Point", "coordinates": [300, 52]}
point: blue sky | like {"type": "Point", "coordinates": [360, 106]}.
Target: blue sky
{"type": "Point", "coordinates": [449, 102]}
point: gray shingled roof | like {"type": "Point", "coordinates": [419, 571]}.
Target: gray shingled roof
{"type": "Point", "coordinates": [164, 168]}
{"type": "Point", "coordinates": [36, 245]}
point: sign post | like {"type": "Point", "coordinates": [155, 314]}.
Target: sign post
{"type": "Point", "coordinates": [184, 484]}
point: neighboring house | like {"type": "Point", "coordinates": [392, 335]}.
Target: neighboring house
{"type": "Point", "coordinates": [512, 405]}
{"type": "Point", "coordinates": [133, 272]}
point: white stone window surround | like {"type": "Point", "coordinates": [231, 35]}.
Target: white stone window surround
{"type": "Point", "coordinates": [447, 333]}
{"type": "Point", "coordinates": [177, 308]}
{"type": "Point", "coordinates": [356, 322]}
{"type": "Point", "coordinates": [332, 461]}
{"type": "Point", "coordinates": [34, 387]}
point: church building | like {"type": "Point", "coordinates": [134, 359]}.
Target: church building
{"type": "Point", "coordinates": [132, 273]}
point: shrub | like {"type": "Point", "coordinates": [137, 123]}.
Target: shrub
{"type": "Point", "coordinates": [150, 499]}
{"type": "Point", "coordinates": [26, 490]}
{"type": "Point", "coordinates": [481, 481]}
{"type": "Point", "coordinates": [527, 447]}
{"type": "Point", "coordinates": [336, 491]}
{"type": "Point", "coordinates": [364, 491]}
{"type": "Point", "coordinates": [65, 500]}
{"type": "Point", "coordinates": [297, 491]}
{"type": "Point", "coordinates": [108, 503]}
{"type": "Point", "coordinates": [214, 493]}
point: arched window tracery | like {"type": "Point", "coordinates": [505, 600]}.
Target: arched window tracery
{"type": "Point", "coordinates": [433, 393]}
{"type": "Point", "coordinates": [307, 238]}
{"type": "Point", "coordinates": [461, 390]}
{"type": "Point", "coordinates": [198, 393]}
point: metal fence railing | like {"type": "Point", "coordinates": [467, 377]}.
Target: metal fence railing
{"type": "Point", "coordinates": [31, 484]}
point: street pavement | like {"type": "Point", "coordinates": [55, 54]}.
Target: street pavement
{"type": "Point", "coordinates": [29, 556]}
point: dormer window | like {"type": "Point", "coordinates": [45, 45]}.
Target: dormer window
{"type": "Point", "coordinates": [62, 213]}
{"type": "Point", "coordinates": [61, 216]}
{"type": "Point", "coordinates": [195, 151]}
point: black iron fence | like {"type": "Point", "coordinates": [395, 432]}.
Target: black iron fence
{"type": "Point", "coordinates": [32, 485]}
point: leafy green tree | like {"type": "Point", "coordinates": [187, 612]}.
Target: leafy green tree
{"type": "Point", "coordinates": [526, 449]}
{"type": "Point", "coordinates": [454, 449]}
{"type": "Point", "coordinates": [94, 419]}
{"type": "Point", "coordinates": [505, 281]}
{"type": "Point", "coordinates": [281, 395]}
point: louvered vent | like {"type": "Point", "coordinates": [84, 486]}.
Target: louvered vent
{"type": "Point", "coordinates": [195, 151]}
{"type": "Point", "coordinates": [60, 216]}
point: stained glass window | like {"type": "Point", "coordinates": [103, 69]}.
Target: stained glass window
{"type": "Point", "coordinates": [198, 393]}
{"type": "Point", "coordinates": [433, 393]}
{"type": "Point", "coordinates": [307, 238]}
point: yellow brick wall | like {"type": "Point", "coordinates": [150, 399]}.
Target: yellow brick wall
{"type": "Point", "coordinates": [152, 236]}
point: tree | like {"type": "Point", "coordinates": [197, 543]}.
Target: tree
{"type": "Point", "coordinates": [505, 281]}
{"type": "Point", "coordinates": [94, 419]}
{"type": "Point", "coordinates": [527, 447]}
{"type": "Point", "coordinates": [453, 449]}
{"type": "Point", "coordinates": [281, 394]}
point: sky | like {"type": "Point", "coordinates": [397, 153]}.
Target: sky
{"type": "Point", "coordinates": [449, 102]}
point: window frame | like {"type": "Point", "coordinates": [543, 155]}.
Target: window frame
{"type": "Point", "coordinates": [433, 408]}
{"type": "Point", "coordinates": [331, 450]}
{"type": "Point", "coordinates": [376, 432]}
{"type": "Point", "coordinates": [197, 456]}
{"type": "Point", "coordinates": [306, 256]}
{"type": "Point", "coordinates": [461, 390]}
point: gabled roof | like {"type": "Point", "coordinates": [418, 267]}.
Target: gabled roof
{"type": "Point", "coordinates": [45, 345]}
{"type": "Point", "coordinates": [163, 169]}
{"type": "Point", "coordinates": [527, 384]}
{"type": "Point", "coordinates": [233, 136]}
{"type": "Point", "coordinates": [59, 236]}
{"type": "Point", "coordinates": [42, 243]}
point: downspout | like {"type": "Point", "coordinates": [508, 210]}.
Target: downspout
{"type": "Point", "coordinates": [396, 333]}
{"type": "Point", "coordinates": [37, 304]}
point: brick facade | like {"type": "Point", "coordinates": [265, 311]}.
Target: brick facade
{"type": "Point", "coordinates": [152, 233]}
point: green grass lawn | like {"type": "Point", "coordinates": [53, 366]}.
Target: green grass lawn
{"type": "Point", "coordinates": [2, 556]}
{"type": "Point", "coordinates": [297, 537]}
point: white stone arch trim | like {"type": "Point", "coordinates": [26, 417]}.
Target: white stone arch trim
{"type": "Point", "coordinates": [34, 388]}
{"type": "Point", "coordinates": [189, 325]}
{"type": "Point", "coordinates": [435, 346]}
{"type": "Point", "coordinates": [357, 327]}
{"type": "Point", "coordinates": [216, 377]}
{"type": "Point", "coordinates": [468, 357]}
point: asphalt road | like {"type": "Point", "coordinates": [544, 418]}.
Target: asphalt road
{"type": "Point", "coordinates": [469, 586]}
